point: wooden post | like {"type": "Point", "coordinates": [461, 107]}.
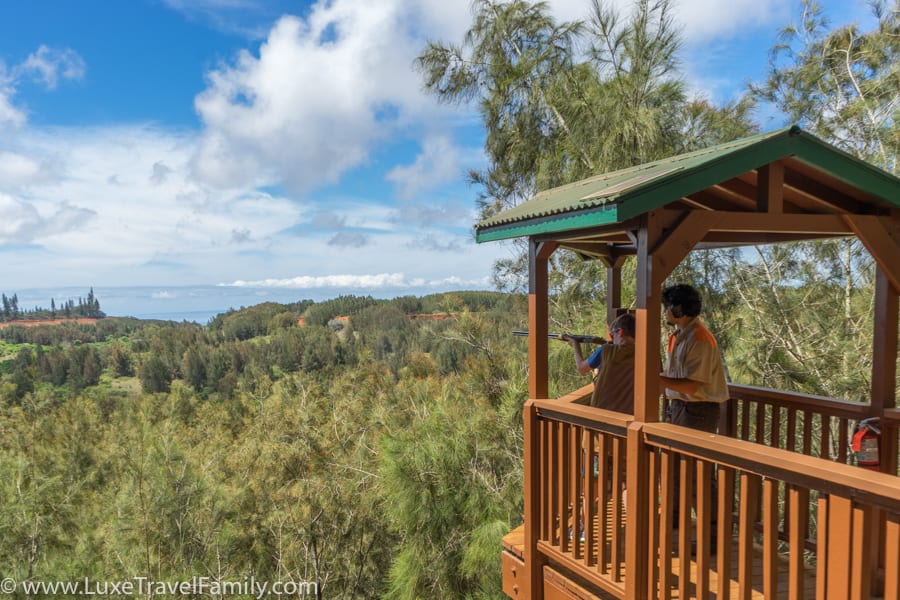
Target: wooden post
{"type": "Point", "coordinates": [637, 512]}
{"type": "Point", "coordinates": [884, 373]}
{"type": "Point", "coordinates": [533, 580]}
{"type": "Point", "coordinates": [538, 276]}
{"type": "Point", "coordinates": [613, 288]}
{"type": "Point", "coordinates": [884, 364]}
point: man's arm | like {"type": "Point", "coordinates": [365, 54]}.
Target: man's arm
{"type": "Point", "coordinates": [580, 363]}
{"type": "Point", "coordinates": [687, 387]}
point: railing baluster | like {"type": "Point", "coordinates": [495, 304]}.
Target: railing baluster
{"type": "Point", "coordinates": [823, 553]}
{"type": "Point", "coordinates": [666, 540]}
{"type": "Point", "coordinates": [685, 525]}
{"type": "Point", "coordinates": [760, 436]}
{"type": "Point", "coordinates": [553, 482]}
{"type": "Point", "coordinates": [704, 525]}
{"type": "Point", "coordinates": [546, 511]}
{"type": "Point", "coordinates": [825, 431]}
{"type": "Point", "coordinates": [791, 430]}
{"type": "Point", "coordinates": [653, 554]}
{"type": "Point", "coordinates": [775, 438]}
{"type": "Point", "coordinates": [843, 440]}
{"type": "Point", "coordinates": [892, 558]}
{"type": "Point", "coordinates": [589, 535]}
{"type": "Point", "coordinates": [565, 502]}
{"type": "Point", "coordinates": [576, 475]}
{"type": "Point", "coordinates": [807, 433]}
{"type": "Point", "coordinates": [770, 538]}
{"type": "Point", "coordinates": [618, 537]}
{"type": "Point", "coordinates": [726, 511]}
{"type": "Point", "coordinates": [798, 509]}
{"type": "Point", "coordinates": [602, 504]}
{"type": "Point", "coordinates": [750, 485]}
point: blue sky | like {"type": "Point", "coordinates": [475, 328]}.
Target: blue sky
{"type": "Point", "coordinates": [268, 143]}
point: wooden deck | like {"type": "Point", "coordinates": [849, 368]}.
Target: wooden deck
{"type": "Point", "coordinates": [514, 543]}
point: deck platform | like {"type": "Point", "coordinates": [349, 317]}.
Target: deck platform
{"type": "Point", "coordinates": [514, 543]}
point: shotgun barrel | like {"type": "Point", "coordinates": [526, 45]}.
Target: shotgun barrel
{"type": "Point", "coordinates": [587, 339]}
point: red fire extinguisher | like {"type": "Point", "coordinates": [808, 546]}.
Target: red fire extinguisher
{"type": "Point", "coordinates": [865, 443]}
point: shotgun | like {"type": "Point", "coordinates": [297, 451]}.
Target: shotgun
{"type": "Point", "coordinates": [589, 339]}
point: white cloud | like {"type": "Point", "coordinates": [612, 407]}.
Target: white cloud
{"type": "Point", "coordinates": [439, 162]}
{"type": "Point", "coordinates": [23, 223]}
{"type": "Point", "coordinates": [16, 169]}
{"type": "Point", "coordinates": [369, 282]}
{"type": "Point", "coordinates": [315, 99]}
{"type": "Point", "coordinates": [49, 64]}
{"type": "Point", "coordinates": [379, 280]}
{"type": "Point", "coordinates": [349, 239]}
{"type": "Point", "coordinates": [704, 20]}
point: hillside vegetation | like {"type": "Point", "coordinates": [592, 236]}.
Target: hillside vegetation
{"type": "Point", "coordinates": [376, 457]}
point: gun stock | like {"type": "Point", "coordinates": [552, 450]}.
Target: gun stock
{"type": "Point", "coordinates": [583, 339]}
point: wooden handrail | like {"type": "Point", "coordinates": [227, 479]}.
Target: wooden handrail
{"type": "Point", "coordinates": [833, 407]}
{"type": "Point", "coordinates": [596, 419]}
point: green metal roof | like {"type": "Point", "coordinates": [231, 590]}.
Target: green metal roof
{"type": "Point", "coordinates": [621, 195]}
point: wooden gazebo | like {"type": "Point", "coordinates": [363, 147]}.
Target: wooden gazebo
{"type": "Point", "coordinates": [800, 524]}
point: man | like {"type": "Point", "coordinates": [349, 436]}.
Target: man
{"type": "Point", "coordinates": [693, 378]}
{"type": "Point", "coordinates": [614, 384]}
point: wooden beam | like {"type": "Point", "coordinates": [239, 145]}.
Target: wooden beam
{"type": "Point", "coordinates": [770, 188]}
{"type": "Point", "coordinates": [826, 187]}
{"type": "Point", "coordinates": [738, 192]}
{"type": "Point", "coordinates": [613, 289]}
{"type": "Point", "coordinates": [823, 225]}
{"type": "Point", "coordinates": [881, 237]}
{"type": "Point", "coordinates": [708, 199]}
{"type": "Point", "coordinates": [671, 249]}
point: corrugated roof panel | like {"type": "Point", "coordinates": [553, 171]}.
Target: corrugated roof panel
{"type": "Point", "coordinates": [597, 190]}
{"type": "Point", "coordinates": [626, 193]}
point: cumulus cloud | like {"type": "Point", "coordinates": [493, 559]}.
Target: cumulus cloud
{"type": "Point", "coordinates": [311, 104]}
{"type": "Point", "coordinates": [47, 65]}
{"type": "Point", "coordinates": [439, 162]}
{"type": "Point", "coordinates": [23, 223]}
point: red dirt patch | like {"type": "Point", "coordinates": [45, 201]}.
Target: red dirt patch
{"type": "Point", "coordinates": [36, 322]}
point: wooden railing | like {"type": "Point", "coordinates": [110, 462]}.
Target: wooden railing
{"type": "Point", "coordinates": [581, 516]}
{"type": "Point", "coordinates": [788, 525]}
{"type": "Point", "coordinates": [763, 492]}
{"type": "Point", "coordinates": [810, 425]}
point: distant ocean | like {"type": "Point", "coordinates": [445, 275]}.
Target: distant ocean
{"type": "Point", "coordinates": [198, 304]}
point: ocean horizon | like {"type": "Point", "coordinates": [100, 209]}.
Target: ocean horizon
{"type": "Point", "coordinates": [198, 304]}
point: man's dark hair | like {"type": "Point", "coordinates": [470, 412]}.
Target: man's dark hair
{"type": "Point", "coordinates": [683, 300]}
